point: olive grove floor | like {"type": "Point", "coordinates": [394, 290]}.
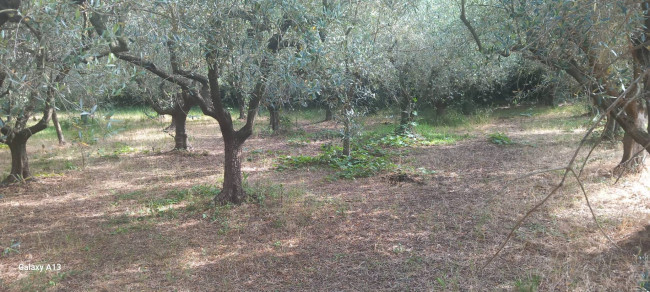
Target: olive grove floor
{"type": "Point", "coordinates": [137, 218]}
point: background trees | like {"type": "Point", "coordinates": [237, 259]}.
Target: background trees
{"type": "Point", "coordinates": [599, 44]}
{"type": "Point", "coordinates": [354, 56]}
{"type": "Point", "coordinates": [42, 43]}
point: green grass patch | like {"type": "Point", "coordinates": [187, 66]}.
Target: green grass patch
{"type": "Point", "coordinates": [371, 153]}
{"type": "Point", "coordinates": [529, 284]}
{"type": "Point", "coordinates": [499, 138]}
{"type": "Point", "coordinates": [135, 195]}
{"type": "Point", "coordinates": [265, 192]}
{"type": "Point", "coordinates": [195, 198]}
{"type": "Point", "coordinates": [452, 118]}
{"type": "Point", "coordinates": [311, 115]}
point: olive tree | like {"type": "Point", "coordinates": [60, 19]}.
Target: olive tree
{"type": "Point", "coordinates": [255, 31]}
{"type": "Point", "coordinates": [41, 43]}
{"type": "Point", "coordinates": [600, 44]}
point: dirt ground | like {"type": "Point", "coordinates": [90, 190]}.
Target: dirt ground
{"type": "Point", "coordinates": [98, 231]}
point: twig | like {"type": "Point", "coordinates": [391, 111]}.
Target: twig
{"type": "Point", "coordinates": [518, 224]}
{"type": "Point", "coordinates": [582, 167]}
{"type": "Point", "coordinates": [503, 189]}
{"type": "Point", "coordinates": [593, 215]}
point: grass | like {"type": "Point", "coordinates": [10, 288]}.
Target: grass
{"type": "Point", "coordinates": [499, 138]}
{"type": "Point", "coordinates": [193, 199]}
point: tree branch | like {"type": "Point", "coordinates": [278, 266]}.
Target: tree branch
{"type": "Point", "coordinates": [469, 26]}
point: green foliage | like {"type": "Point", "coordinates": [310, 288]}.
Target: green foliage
{"type": "Point", "coordinates": [499, 138]}
{"type": "Point", "coordinates": [69, 165]}
{"type": "Point", "coordinates": [129, 96]}
{"type": "Point", "coordinates": [14, 247]}
{"type": "Point", "coordinates": [364, 161]}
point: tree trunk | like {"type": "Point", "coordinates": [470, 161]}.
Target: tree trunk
{"type": "Point", "coordinates": [406, 116]}
{"type": "Point", "coordinates": [57, 126]}
{"type": "Point", "coordinates": [346, 136]}
{"type": "Point", "coordinates": [171, 126]}
{"type": "Point", "coordinates": [329, 115]}
{"type": "Point", "coordinates": [179, 120]}
{"type": "Point", "coordinates": [647, 112]}
{"type": "Point", "coordinates": [233, 190]}
{"type": "Point", "coordinates": [611, 127]}
{"type": "Point", "coordinates": [636, 111]}
{"type": "Point", "coordinates": [440, 107]}
{"type": "Point", "coordinates": [242, 106]}
{"type": "Point", "coordinates": [19, 161]}
{"type": "Point", "coordinates": [274, 118]}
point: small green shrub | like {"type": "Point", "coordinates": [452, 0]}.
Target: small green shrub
{"type": "Point", "coordinates": [70, 166]}
{"type": "Point", "coordinates": [499, 138]}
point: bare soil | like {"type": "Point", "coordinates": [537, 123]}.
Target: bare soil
{"type": "Point", "coordinates": [420, 232]}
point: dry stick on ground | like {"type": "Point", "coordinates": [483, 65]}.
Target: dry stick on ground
{"type": "Point", "coordinates": [568, 169]}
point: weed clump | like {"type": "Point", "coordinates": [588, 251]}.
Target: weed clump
{"type": "Point", "coordinates": [499, 138]}
{"type": "Point", "coordinates": [363, 161]}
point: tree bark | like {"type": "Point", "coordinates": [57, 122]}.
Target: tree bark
{"type": "Point", "coordinates": [274, 118]}
{"type": "Point", "coordinates": [329, 115]}
{"type": "Point", "coordinates": [57, 126]}
{"type": "Point", "coordinates": [233, 190]}
{"type": "Point", "coordinates": [19, 161]}
{"type": "Point", "coordinates": [172, 125]}
{"type": "Point", "coordinates": [406, 116]}
{"type": "Point", "coordinates": [347, 135]}
{"type": "Point", "coordinates": [647, 112]}
{"type": "Point", "coordinates": [609, 132]}
{"type": "Point", "coordinates": [179, 120]}
{"type": "Point", "coordinates": [636, 112]}
{"type": "Point", "coordinates": [242, 105]}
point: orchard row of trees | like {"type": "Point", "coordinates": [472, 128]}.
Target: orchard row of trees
{"type": "Point", "coordinates": [340, 54]}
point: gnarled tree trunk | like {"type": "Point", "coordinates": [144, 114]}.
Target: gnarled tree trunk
{"type": "Point", "coordinates": [179, 119]}
{"type": "Point", "coordinates": [233, 190]}
{"type": "Point", "coordinates": [637, 113]}
{"type": "Point", "coordinates": [19, 161]}
{"type": "Point", "coordinates": [172, 125]}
